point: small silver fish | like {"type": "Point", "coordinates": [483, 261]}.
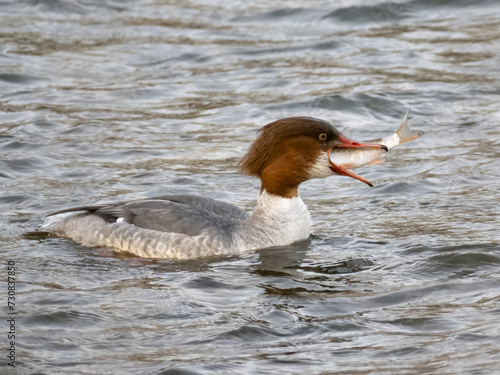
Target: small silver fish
{"type": "Point", "coordinates": [349, 158]}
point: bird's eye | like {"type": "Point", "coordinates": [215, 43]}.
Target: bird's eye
{"type": "Point", "coordinates": [323, 137]}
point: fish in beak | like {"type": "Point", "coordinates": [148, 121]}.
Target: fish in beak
{"type": "Point", "coordinates": [349, 143]}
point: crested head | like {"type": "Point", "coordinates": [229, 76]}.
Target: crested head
{"type": "Point", "coordinates": [286, 151]}
{"type": "Point", "coordinates": [276, 136]}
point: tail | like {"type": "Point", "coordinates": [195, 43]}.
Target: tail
{"type": "Point", "coordinates": [404, 132]}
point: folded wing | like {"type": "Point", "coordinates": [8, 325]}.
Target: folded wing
{"type": "Point", "coordinates": [184, 214]}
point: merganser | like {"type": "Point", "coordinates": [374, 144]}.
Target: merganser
{"type": "Point", "coordinates": [286, 153]}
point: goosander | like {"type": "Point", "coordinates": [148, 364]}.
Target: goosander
{"type": "Point", "coordinates": [286, 153]}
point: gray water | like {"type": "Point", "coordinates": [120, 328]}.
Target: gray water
{"type": "Point", "coordinates": [102, 101]}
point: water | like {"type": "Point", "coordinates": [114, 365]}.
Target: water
{"type": "Point", "coordinates": [102, 101]}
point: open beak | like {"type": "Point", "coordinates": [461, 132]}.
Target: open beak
{"type": "Point", "coordinates": [349, 143]}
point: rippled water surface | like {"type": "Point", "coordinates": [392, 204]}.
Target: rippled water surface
{"type": "Point", "coordinates": [102, 101]}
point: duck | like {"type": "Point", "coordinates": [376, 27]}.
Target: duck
{"type": "Point", "coordinates": [286, 153]}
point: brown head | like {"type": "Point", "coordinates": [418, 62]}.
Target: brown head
{"type": "Point", "coordinates": [292, 150]}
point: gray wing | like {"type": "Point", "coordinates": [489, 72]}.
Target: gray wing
{"type": "Point", "coordinates": [184, 214]}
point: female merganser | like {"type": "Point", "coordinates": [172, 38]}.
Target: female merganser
{"type": "Point", "coordinates": [286, 153]}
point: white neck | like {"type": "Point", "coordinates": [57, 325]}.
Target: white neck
{"type": "Point", "coordinates": [277, 221]}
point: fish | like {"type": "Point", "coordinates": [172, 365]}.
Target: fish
{"type": "Point", "coordinates": [350, 158]}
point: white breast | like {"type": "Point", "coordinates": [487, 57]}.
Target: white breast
{"type": "Point", "coordinates": [277, 221]}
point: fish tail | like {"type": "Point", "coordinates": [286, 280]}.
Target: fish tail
{"type": "Point", "coordinates": [405, 133]}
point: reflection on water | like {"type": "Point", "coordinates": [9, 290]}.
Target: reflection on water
{"type": "Point", "coordinates": [103, 101]}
